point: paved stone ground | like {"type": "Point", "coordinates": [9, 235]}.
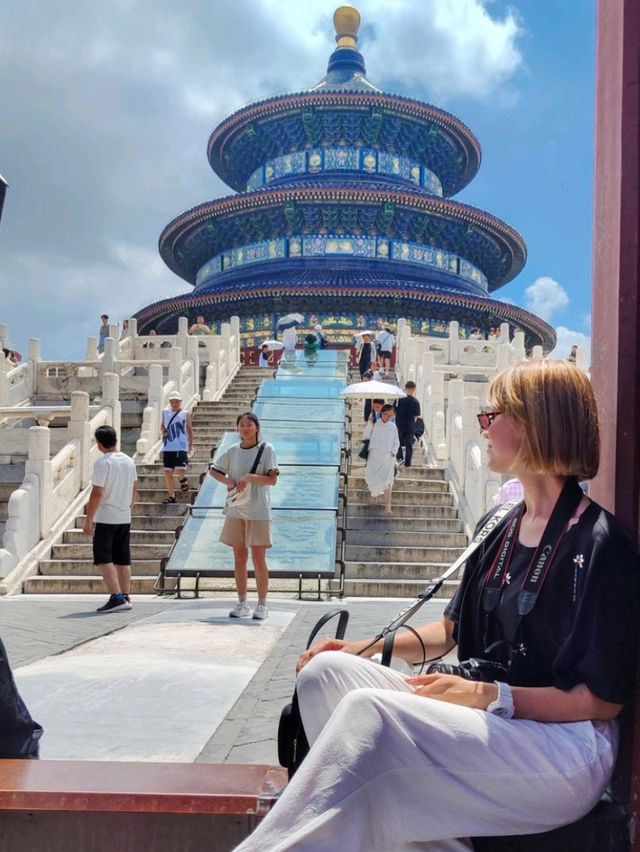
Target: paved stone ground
{"type": "Point", "coordinates": [35, 627]}
{"type": "Point", "coordinates": [249, 732]}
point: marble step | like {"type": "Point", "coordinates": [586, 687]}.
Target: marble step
{"type": "Point", "coordinates": [85, 567]}
{"type": "Point", "coordinates": [83, 585]}
{"type": "Point", "coordinates": [165, 523]}
{"type": "Point", "coordinates": [403, 539]}
{"type": "Point", "coordinates": [156, 537]}
{"type": "Point", "coordinates": [417, 555]}
{"type": "Point", "coordinates": [434, 510]}
{"type": "Point", "coordinates": [412, 473]}
{"type": "Point", "coordinates": [83, 550]}
{"type": "Point", "coordinates": [404, 497]}
{"type": "Point", "coordinates": [404, 483]}
{"type": "Point", "coordinates": [400, 570]}
{"type": "Point", "coordinates": [174, 510]}
{"type": "Point", "coordinates": [355, 588]}
{"type": "Point", "coordinates": [371, 525]}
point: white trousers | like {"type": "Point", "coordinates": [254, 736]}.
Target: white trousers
{"type": "Point", "coordinates": [389, 770]}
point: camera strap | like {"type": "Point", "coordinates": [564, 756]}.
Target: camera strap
{"type": "Point", "coordinates": [542, 559]}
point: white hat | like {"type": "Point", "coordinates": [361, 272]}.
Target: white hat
{"type": "Point", "coordinates": [174, 395]}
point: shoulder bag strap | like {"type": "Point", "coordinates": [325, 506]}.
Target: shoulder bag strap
{"type": "Point", "coordinates": [257, 458]}
{"type": "Point", "coordinates": [166, 428]}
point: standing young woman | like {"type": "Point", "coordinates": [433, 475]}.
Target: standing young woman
{"type": "Point", "coordinates": [381, 462]}
{"type": "Point", "coordinates": [248, 526]}
{"type": "Point", "coordinates": [550, 600]}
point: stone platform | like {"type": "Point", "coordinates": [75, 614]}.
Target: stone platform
{"type": "Point", "coordinates": [168, 681]}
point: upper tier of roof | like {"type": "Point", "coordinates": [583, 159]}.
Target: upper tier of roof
{"type": "Point", "coordinates": [344, 109]}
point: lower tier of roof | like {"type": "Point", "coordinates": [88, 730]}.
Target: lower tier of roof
{"type": "Point", "coordinates": [345, 301]}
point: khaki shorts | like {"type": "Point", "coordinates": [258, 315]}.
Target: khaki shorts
{"type": "Point", "coordinates": [236, 532]}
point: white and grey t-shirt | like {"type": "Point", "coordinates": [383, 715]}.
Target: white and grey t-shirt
{"type": "Point", "coordinates": [235, 462]}
{"type": "Point", "coordinates": [116, 474]}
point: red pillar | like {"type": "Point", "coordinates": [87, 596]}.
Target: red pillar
{"type": "Point", "coordinates": [616, 280]}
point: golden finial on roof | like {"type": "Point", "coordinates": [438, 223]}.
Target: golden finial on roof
{"type": "Point", "coordinates": [346, 20]}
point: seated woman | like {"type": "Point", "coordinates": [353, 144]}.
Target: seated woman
{"type": "Point", "coordinates": [549, 599]}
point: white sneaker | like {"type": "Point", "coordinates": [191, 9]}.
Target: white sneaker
{"type": "Point", "coordinates": [261, 612]}
{"type": "Point", "coordinates": [240, 610]}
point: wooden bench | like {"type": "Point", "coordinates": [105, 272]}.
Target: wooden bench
{"type": "Point", "coordinates": [99, 805]}
{"type": "Point", "coordinates": [604, 829]}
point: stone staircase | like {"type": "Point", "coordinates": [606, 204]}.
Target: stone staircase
{"type": "Point", "coordinates": [70, 568]}
{"type": "Point", "coordinates": [395, 556]}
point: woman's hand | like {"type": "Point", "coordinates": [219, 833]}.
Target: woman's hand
{"type": "Point", "coordinates": [455, 690]}
{"type": "Point", "coordinates": [328, 645]}
{"type": "Point", "coordinates": [243, 482]}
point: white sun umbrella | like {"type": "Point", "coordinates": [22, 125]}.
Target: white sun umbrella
{"type": "Point", "coordinates": [290, 320]}
{"type": "Point", "coordinates": [362, 333]}
{"type": "Point", "coordinates": [272, 345]}
{"type": "Point", "coordinates": [372, 390]}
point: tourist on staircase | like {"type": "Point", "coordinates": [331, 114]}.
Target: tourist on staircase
{"type": "Point", "coordinates": [264, 358]}
{"type": "Point", "coordinates": [113, 494]}
{"type": "Point", "coordinates": [248, 469]}
{"type": "Point", "coordinates": [407, 413]}
{"type": "Point", "coordinates": [384, 344]}
{"type": "Point", "coordinates": [381, 461]}
{"type": "Point", "coordinates": [177, 434]}
{"type": "Point", "coordinates": [365, 356]}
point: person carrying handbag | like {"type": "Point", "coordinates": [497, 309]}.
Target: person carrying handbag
{"type": "Point", "coordinates": [248, 470]}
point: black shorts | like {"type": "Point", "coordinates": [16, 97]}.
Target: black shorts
{"type": "Point", "coordinates": [385, 354]}
{"type": "Point", "coordinates": [111, 544]}
{"type": "Point", "coordinates": [171, 459]}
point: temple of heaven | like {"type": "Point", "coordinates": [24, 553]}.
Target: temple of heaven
{"type": "Point", "coordinates": [343, 212]}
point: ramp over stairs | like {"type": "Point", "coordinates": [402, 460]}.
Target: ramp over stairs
{"type": "Point", "coordinates": [302, 416]}
{"type": "Point", "coordinates": [70, 567]}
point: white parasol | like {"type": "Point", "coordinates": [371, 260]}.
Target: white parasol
{"type": "Point", "coordinates": [362, 333]}
{"type": "Point", "coordinates": [372, 390]}
{"type": "Point", "coordinates": [272, 345]}
{"type": "Point", "coordinates": [290, 320]}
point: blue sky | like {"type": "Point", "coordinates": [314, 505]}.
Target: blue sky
{"type": "Point", "coordinates": [107, 107]}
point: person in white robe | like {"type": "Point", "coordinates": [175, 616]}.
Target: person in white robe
{"type": "Point", "coordinates": [383, 446]}
{"type": "Point", "coordinates": [290, 338]}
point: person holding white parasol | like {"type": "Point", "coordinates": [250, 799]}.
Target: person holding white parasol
{"type": "Point", "coordinates": [383, 446]}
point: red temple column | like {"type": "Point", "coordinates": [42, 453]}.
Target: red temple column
{"type": "Point", "coordinates": [616, 308]}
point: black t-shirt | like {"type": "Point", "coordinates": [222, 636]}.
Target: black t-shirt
{"type": "Point", "coordinates": [407, 409]}
{"type": "Point", "coordinates": [584, 626]}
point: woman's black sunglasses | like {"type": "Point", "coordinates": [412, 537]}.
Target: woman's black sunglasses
{"type": "Point", "coordinates": [486, 418]}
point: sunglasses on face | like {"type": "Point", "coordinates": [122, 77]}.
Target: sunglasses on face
{"type": "Point", "coordinates": [486, 418]}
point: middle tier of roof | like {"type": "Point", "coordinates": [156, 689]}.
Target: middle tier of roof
{"type": "Point", "coordinates": [351, 207]}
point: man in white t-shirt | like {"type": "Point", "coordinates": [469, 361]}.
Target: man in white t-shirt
{"type": "Point", "coordinates": [114, 492]}
{"type": "Point", "coordinates": [385, 343]}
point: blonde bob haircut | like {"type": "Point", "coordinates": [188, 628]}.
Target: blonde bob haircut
{"type": "Point", "coordinates": [555, 403]}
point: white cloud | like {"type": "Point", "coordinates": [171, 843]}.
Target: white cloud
{"type": "Point", "coordinates": [546, 297]}
{"type": "Point", "coordinates": [568, 338]}
{"type": "Point", "coordinates": [444, 50]}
